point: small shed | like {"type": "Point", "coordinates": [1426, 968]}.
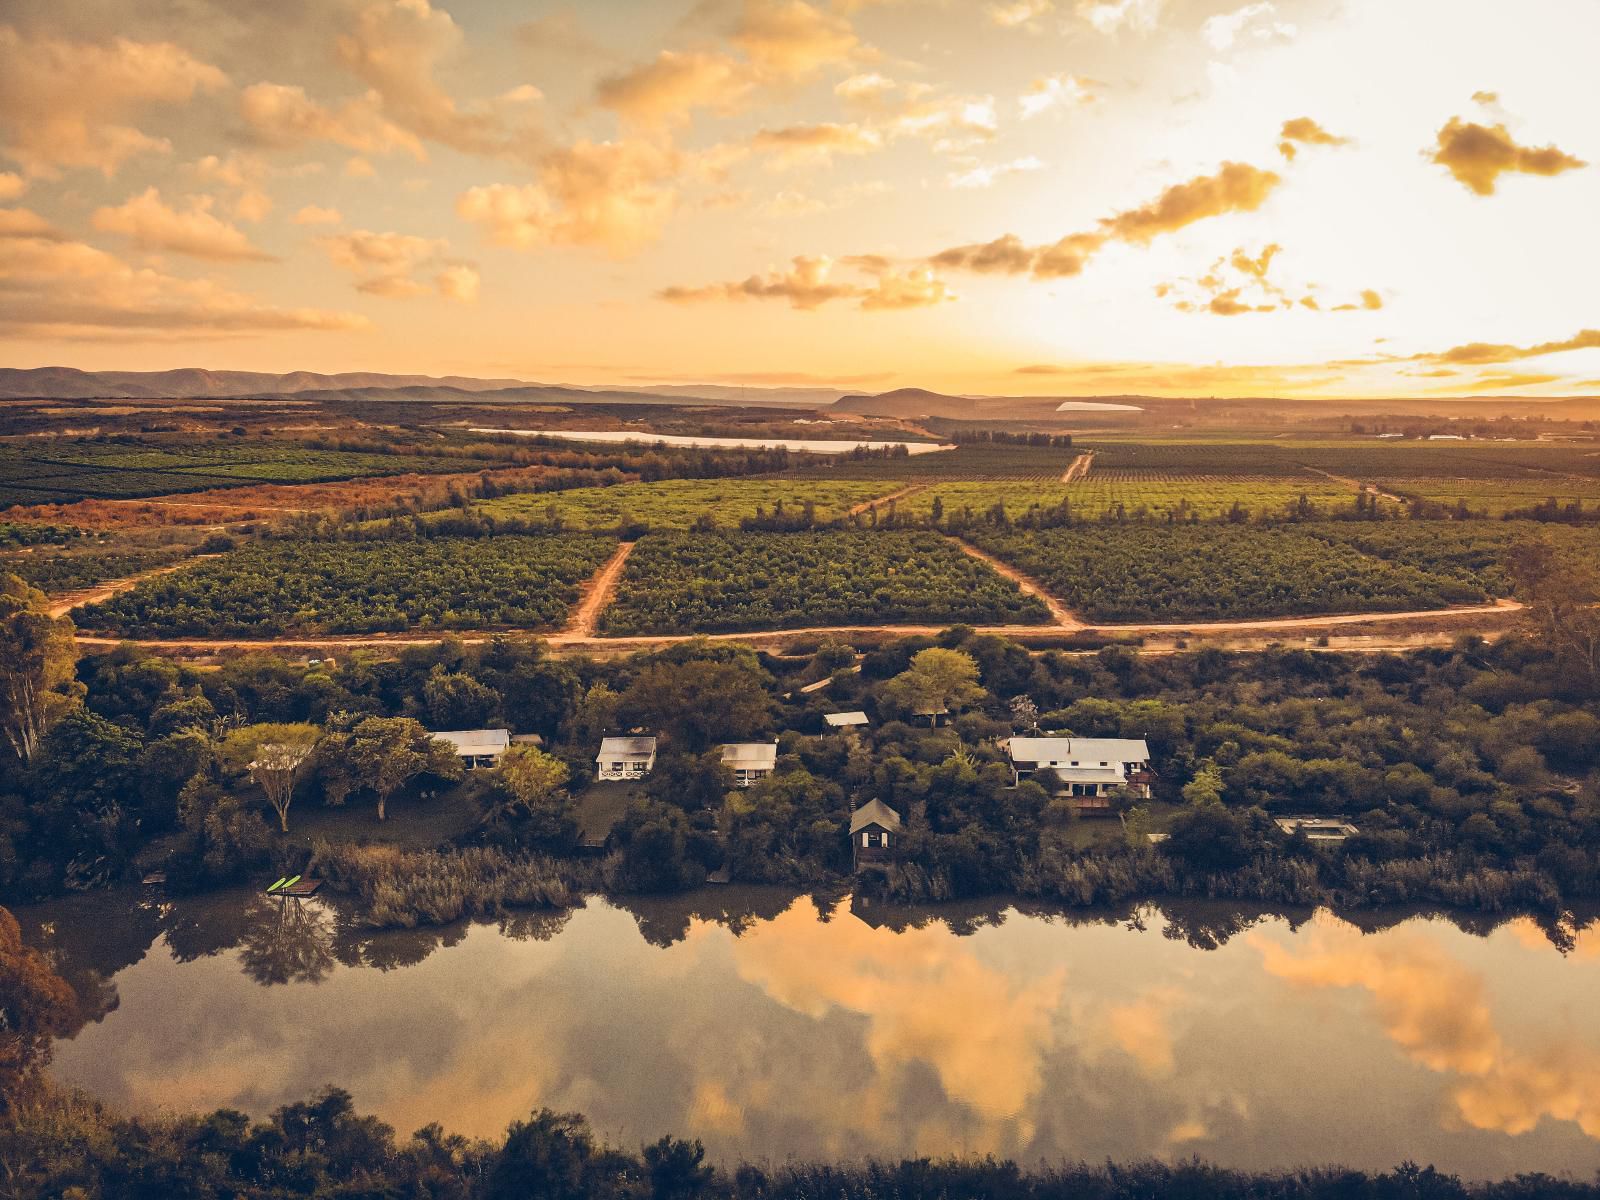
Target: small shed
{"type": "Point", "coordinates": [478, 749]}
{"type": "Point", "coordinates": [750, 761]}
{"type": "Point", "coordinates": [846, 720]}
{"type": "Point", "coordinates": [625, 758]}
{"type": "Point", "coordinates": [873, 827]}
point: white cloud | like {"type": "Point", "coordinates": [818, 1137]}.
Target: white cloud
{"type": "Point", "coordinates": [1252, 23]}
{"type": "Point", "coordinates": [284, 115]}
{"type": "Point", "coordinates": [1054, 91]}
{"type": "Point", "coordinates": [1015, 14]}
{"type": "Point", "coordinates": [985, 175]}
{"type": "Point", "coordinates": [386, 264]}
{"type": "Point", "coordinates": [1112, 16]}
{"type": "Point", "coordinates": [314, 214]}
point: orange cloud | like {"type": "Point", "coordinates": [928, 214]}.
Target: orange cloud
{"type": "Point", "coordinates": [1307, 132]}
{"type": "Point", "coordinates": [1236, 187]}
{"type": "Point", "coordinates": [25, 223]}
{"type": "Point", "coordinates": [1485, 353]}
{"type": "Point", "coordinates": [66, 289]}
{"type": "Point", "coordinates": [668, 88]}
{"type": "Point", "coordinates": [1477, 155]}
{"type": "Point", "coordinates": [153, 224]}
{"type": "Point", "coordinates": [809, 283]}
{"type": "Point", "coordinates": [386, 264]}
{"type": "Point", "coordinates": [1436, 1010]}
{"type": "Point", "coordinates": [282, 115]}
{"type": "Point", "coordinates": [67, 104]}
{"type": "Point", "coordinates": [612, 195]}
{"type": "Point", "coordinates": [799, 143]}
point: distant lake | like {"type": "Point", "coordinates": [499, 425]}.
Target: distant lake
{"type": "Point", "coordinates": [1096, 406]}
{"type": "Point", "coordinates": [768, 1027]}
{"type": "Point", "coordinates": [814, 445]}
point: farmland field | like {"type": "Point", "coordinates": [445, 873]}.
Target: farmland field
{"type": "Point", "coordinates": [703, 583]}
{"type": "Point", "coordinates": [1472, 551]}
{"type": "Point", "coordinates": [679, 503]}
{"type": "Point", "coordinates": [1129, 493]}
{"type": "Point", "coordinates": [316, 586]}
{"type": "Point", "coordinates": [1218, 572]}
{"type": "Point", "coordinates": [1493, 497]}
{"type": "Point", "coordinates": [59, 573]}
{"type": "Point", "coordinates": [53, 472]}
{"type": "Point", "coordinates": [975, 460]}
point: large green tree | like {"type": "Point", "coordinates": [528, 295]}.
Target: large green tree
{"type": "Point", "coordinates": [386, 753]}
{"type": "Point", "coordinates": [938, 681]}
{"type": "Point", "coordinates": [701, 701]}
{"type": "Point", "coordinates": [37, 658]}
{"type": "Point", "coordinates": [274, 755]}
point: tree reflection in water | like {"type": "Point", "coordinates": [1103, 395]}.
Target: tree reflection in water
{"type": "Point", "coordinates": [287, 941]}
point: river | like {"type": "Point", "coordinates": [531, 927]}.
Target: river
{"type": "Point", "coordinates": [771, 1027]}
{"type": "Point", "coordinates": [814, 445]}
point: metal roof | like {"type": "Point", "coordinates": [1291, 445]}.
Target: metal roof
{"type": "Point", "coordinates": [751, 754]}
{"type": "Point", "coordinates": [874, 812]}
{"type": "Point", "coordinates": [840, 720]}
{"type": "Point", "coordinates": [1084, 750]}
{"type": "Point", "coordinates": [626, 747]}
{"type": "Point", "coordinates": [477, 741]}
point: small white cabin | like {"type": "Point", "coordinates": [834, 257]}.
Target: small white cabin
{"type": "Point", "coordinates": [478, 749]}
{"type": "Point", "coordinates": [846, 720]}
{"type": "Point", "coordinates": [750, 761]}
{"type": "Point", "coordinates": [625, 758]}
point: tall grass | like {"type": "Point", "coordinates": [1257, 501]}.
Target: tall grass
{"type": "Point", "coordinates": [401, 889]}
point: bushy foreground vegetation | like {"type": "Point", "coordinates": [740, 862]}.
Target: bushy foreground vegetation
{"type": "Point", "coordinates": [338, 586]}
{"type": "Point", "coordinates": [1201, 572]}
{"type": "Point", "coordinates": [707, 582]}
{"type": "Point", "coordinates": [66, 1144]}
{"type": "Point", "coordinates": [18, 533]}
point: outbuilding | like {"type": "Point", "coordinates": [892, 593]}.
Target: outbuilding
{"type": "Point", "coordinates": [478, 749]}
{"type": "Point", "coordinates": [873, 827]}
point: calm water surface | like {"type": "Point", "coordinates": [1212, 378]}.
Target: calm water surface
{"type": "Point", "coordinates": [815, 445]}
{"type": "Point", "coordinates": [769, 1027]}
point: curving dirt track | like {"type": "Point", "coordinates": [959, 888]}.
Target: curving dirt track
{"type": "Point", "coordinates": [1059, 613]}
{"type": "Point", "coordinates": [64, 604]}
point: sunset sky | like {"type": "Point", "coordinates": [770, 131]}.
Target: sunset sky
{"type": "Point", "coordinates": [1076, 197]}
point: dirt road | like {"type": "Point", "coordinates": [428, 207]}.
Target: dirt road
{"type": "Point", "coordinates": [1059, 613]}
{"type": "Point", "coordinates": [596, 596]}
{"type": "Point", "coordinates": [1356, 485]}
{"type": "Point", "coordinates": [867, 506]}
{"type": "Point", "coordinates": [1196, 630]}
{"type": "Point", "coordinates": [64, 604]}
{"type": "Point", "coordinates": [1079, 468]}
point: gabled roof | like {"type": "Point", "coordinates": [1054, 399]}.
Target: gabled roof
{"type": "Point", "coordinates": [874, 812]}
{"type": "Point", "coordinates": [477, 741]}
{"type": "Point", "coordinates": [1085, 750]}
{"type": "Point", "coordinates": [626, 747]}
{"type": "Point", "coordinates": [841, 720]}
{"type": "Point", "coordinates": [751, 754]}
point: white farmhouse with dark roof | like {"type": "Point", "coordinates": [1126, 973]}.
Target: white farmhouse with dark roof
{"type": "Point", "coordinates": [478, 749]}
{"type": "Point", "coordinates": [1086, 769]}
{"type": "Point", "coordinates": [625, 758]}
{"type": "Point", "coordinates": [750, 761]}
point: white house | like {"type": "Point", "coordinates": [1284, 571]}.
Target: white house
{"type": "Point", "coordinates": [625, 758]}
{"type": "Point", "coordinates": [872, 827]}
{"type": "Point", "coordinates": [750, 761]}
{"type": "Point", "coordinates": [846, 720]}
{"type": "Point", "coordinates": [478, 749]}
{"type": "Point", "coordinates": [1318, 829]}
{"type": "Point", "coordinates": [1088, 769]}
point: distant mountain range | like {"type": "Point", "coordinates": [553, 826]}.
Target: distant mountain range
{"type": "Point", "coordinates": [190, 383]}
{"type": "Point", "coordinates": [68, 383]}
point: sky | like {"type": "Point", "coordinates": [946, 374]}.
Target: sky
{"type": "Point", "coordinates": [1047, 197]}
